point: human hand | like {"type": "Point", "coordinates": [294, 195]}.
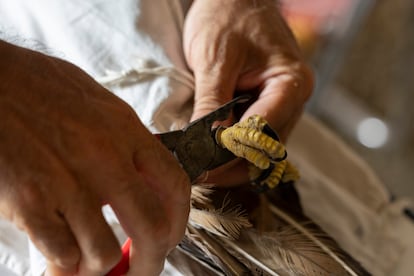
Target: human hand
{"type": "Point", "coordinates": [68, 146]}
{"type": "Point", "coordinates": [245, 46]}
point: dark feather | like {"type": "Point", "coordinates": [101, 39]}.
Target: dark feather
{"type": "Point", "coordinates": [279, 243]}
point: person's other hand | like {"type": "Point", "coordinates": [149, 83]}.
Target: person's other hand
{"type": "Point", "coordinates": [245, 46]}
{"type": "Point", "coordinates": [68, 146]}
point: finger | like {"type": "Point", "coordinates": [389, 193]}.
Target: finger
{"type": "Point", "coordinates": [169, 181]}
{"type": "Point", "coordinates": [100, 250]}
{"type": "Point", "coordinates": [153, 208]}
{"type": "Point", "coordinates": [281, 102]}
{"type": "Point", "coordinates": [143, 218]}
{"type": "Point", "coordinates": [51, 234]}
{"type": "Point", "coordinates": [161, 170]}
{"type": "Point", "coordinates": [146, 259]}
{"type": "Point", "coordinates": [216, 73]}
{"type": "Point", "coordinates": [289, 126]}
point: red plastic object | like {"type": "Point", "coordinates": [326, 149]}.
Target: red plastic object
{"type": "Point", "coordinates": [123, 266]}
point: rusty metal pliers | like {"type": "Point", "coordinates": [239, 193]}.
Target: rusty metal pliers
{"type": "Point", "coordinates": [196, 147]}
{"type": "Point", "coordinates": [197, 150]}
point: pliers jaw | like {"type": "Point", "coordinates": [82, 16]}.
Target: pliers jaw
{"type": "Point", "coordinates": [196, 147]}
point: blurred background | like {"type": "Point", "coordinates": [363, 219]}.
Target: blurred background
{"type": "Point", "coordinates": [362, 52]}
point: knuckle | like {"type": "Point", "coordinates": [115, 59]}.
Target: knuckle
{"type": "Point", "coordinates": [305, 79]}
{"type": "Point", "coordinates": [60, 251]}
{"type": "Point", "coordinates": [65, 258]}
{"type": "Point", "coordinates": [104, 260]}
{"type": "Point", "coordinates": [30, 199]}
{"type": "Point", "coordinates": [299, 78]}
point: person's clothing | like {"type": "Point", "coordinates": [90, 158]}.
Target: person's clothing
{"type": "Point", "coordinates": [337, 189]}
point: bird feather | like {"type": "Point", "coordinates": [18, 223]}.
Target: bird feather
{"type": "Point", "coordinates": [224, 239]}
{"type": "Point", "coordinates": [226, 221]}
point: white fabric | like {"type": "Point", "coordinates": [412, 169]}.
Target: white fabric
{"type": "Point", "coordinates": [101, 35]}
{"type": "Point", "coordinates": [342, 194]}
{"type": "Point", "coordinates": [14, 254]}
{"type": "Point", "coordinates": [337, 189]}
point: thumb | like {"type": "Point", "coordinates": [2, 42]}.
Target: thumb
{"type": "Point", "coordinates": [213, 88]}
